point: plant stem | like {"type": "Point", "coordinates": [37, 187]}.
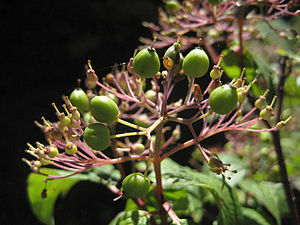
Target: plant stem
{"type": "Point", "coordinates": [157, 169]}
{"type": "Point", "coordinates": [240, 26]}
{"type": "Point", "coordinates": [278, 148]}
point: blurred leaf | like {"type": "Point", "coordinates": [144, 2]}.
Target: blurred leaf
{"type": "Point", "coordinates": [236, 163]}
{"type": "Point", "coordinates": [282, 46]}
{"type": "Point", "coordinates": [43, 208]}
{"type": "Point", "coordinates": [130, 205]}
{"type": "Point", "coordinates": [267, 193]}
{"type": "Point", "coordinates": [232, 67]}
{"type": "Point", "coordinates": [291, 88]}
{"type": "Point", "coordinates": [134, 217]}
{"type": "Point", "coordinates": [195, 205]}
{"type": "Point", "coordinates": [177, 176]}
{"type": "Point", "coordinates": [252, 217]}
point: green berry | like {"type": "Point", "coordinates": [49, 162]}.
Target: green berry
{"type": "Point", "coordinates": [97, 136]}
{"type": "Point", "coordinates": [196, 63]}
{"type": "Point", "coordinates": [79, 99]}
{"type": "Point", "coordinates": [104, 109]}
{"type": "Point", "coordinates": [146, 63]}
{"type": "Point", "coordinates": [135, 185]}
{"type": "Point", "coordinates": [223, 99]}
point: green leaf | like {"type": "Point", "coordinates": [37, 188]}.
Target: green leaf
{"type": "Point", "coordinates": [177, 176]}
{"type": "Point", "coordinates": [267, 194]}
{"type": "Point", "coordinates": [252, 217]}
{"type": "Point", "coordinates": [134, 217]}
{"type": "Point", "coordinates": [43, 208]}
{"type": "Point", "coordinates": [231, 64]}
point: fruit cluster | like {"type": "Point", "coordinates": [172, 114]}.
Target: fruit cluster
{"type": "Point", "coordinates": [137, 98]}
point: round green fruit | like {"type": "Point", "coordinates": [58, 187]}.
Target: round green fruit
{"type": "Point", "coordinates": [80, 100]}
{"type": "Point", "coordinates": [97, 136]}
{"type": "Point", "coordinates": [135, 185]}
{"type": "Point", "coordinates": [196, 63]}
{"type": "Point", "coordinates": [146, 63]}
{"type": "Point", "coordinates": [223, 99]}
{"type": "Point", "coordinates": [104, 109]}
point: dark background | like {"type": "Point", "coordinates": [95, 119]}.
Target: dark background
{"type": "Point", "coordinates": [45, 47]}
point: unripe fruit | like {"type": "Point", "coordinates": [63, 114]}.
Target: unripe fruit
{"type": "Point", "coordinates": [64, 120]}
{"type": "Point", "coordinates": [266, 113]}
{"type": "Point", "coordinates": [242, 94]}
{"type": "Point", "coordinates": [146, 63]}
{"type": "Point", "coordinates": [97, 136]}
{"type": "Point", "coordinates": [70, 148]}
{"type": "Point", "coordinates": [172, 6]}
{"type": "Point", "coordinates": [135, 185]}
{"type": "Point", "coordinates": [196, 63]}
{"type": "Point", "coordinates": [223, 99]}
{"type": "Point", "coordinates": [259, 103]}
{"type": "Point", "coordinates": [104, 109]}
{"type": "Point", "coordinates": [45, 162]}
{"type": "Point", "coordinates": [173, 52]}
{"type": "Point", "coordinates": [53, 151]}
{"type": "Point", "coordinates": [215, 73]}
{"type": "Point", "coordinates": [79, 99]}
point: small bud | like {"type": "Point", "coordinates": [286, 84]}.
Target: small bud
{"type": "Point", "coordinates": [137, 149]}
{"type": "Point", "coordinates": [215, 73]}
{"type": "Point", "coordinates": [260, 102]}
{"type": "Point", "coordinates": [164, 74]}
{"type": "Point", "coordinates": [267, 112]}
{"type": "Point", "coordinates": [151, 95]}
{"type": "Point", "coordinates": [242, 94]}
{"type": "Point", "coordinates": [176, 133]}
{"type": "Point", "coordinates": [282, 124]}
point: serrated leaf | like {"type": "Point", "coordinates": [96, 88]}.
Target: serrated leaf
{"type": "Point", "coordinates": [43, 208]}
{"type": "Point", "coordinates": [177, 176]}
{"type": "Point", "coordinates": [266, 193]}
{"type": "Point", "coordinates": [252, 217]}
{"type": "Point", "coordinates": [134, 217]}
